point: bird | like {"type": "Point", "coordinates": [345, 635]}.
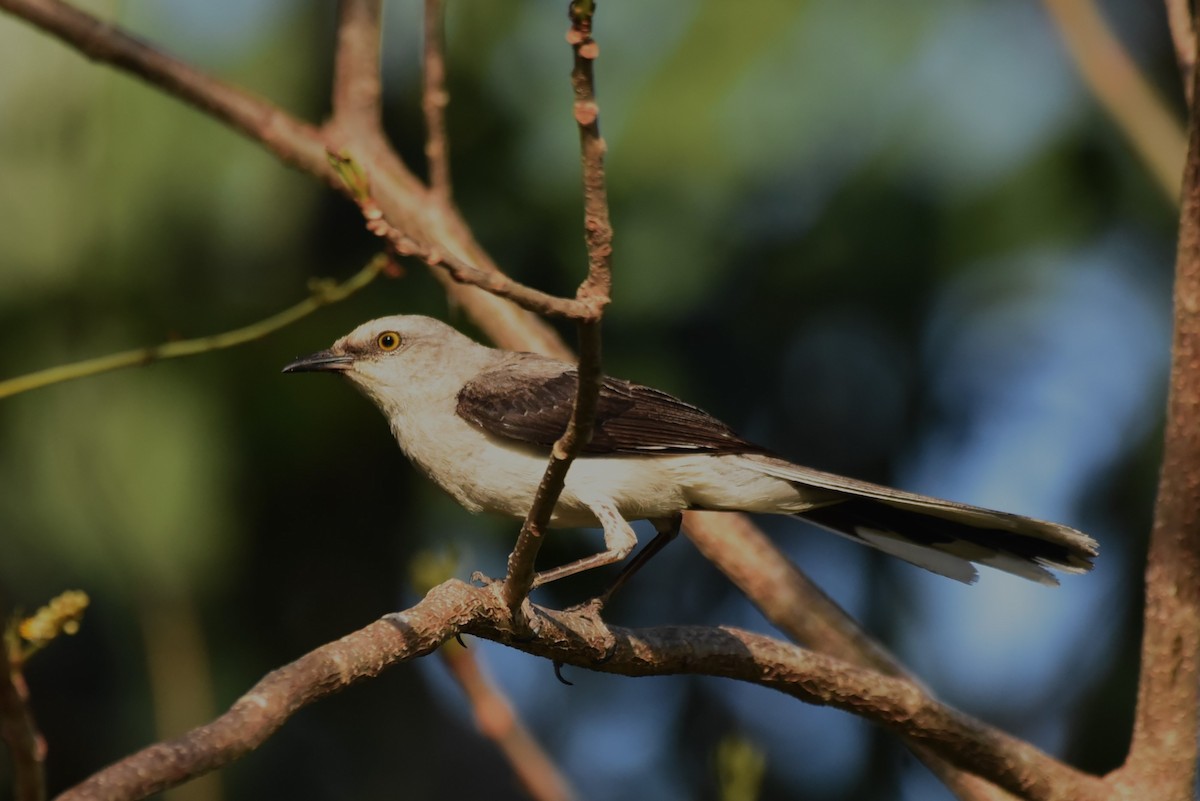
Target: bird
{"type": "Point", "coordinates": [480, 423]}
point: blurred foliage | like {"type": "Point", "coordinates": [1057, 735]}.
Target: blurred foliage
{"type": "Point", "coordinates": [895, 240]}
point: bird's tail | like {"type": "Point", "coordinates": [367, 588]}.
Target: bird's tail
{"type": "Point", "coordinates": [941, 536]}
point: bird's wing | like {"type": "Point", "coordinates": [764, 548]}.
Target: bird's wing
{"type": "Point", "coordinates": [529, 399]}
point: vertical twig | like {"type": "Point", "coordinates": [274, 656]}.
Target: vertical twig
{"type": "Point", "coordinates": [593, 293]}
{"type": "Point", "coordinates": [596, 224]}
{"type": "Point", "coordinates": [1162, 756]}
{"type": "Point", "coordinates": [1183, 35]}
{"type": "Point", "coordinates": [18, 730]}
{"type": "Point", "coordinates": [434, 100]}
{"type": "Point", "coordinates": [356, 81]}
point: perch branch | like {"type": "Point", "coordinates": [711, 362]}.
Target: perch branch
{"type": "Point", "coordinates": [580, 639]}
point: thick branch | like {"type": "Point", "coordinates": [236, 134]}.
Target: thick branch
{"type": "Point", "coordinates": [802, 611]}
{"type": "Point", "coordinates": [1162, 758]}
{"type": "Point", "coordinates": [580, 639]}
{"type": "Point", "coordinates": [356, 78]}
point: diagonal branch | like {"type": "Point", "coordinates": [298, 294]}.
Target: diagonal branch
{"type": "Point", "coordinates": [578, 638]}
{"type": "Point", "coordinates": [322, 293]}
{"type": "Point", "coordinates": [1123, 90]}
{"type": "Point", "coordinates": [293, 141]}
{"type": "Point", "coordinates": [798, 607]}
{"type": "Point", "coordinates": [499, 722]}
{"type": "Point", "coordinates": [356, 78]}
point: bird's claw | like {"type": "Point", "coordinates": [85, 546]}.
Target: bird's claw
{"type": "Point", "coordinates": [482, 580]}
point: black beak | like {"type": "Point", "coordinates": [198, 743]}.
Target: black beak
{"type": "Point", "coordinates": [321, 362]}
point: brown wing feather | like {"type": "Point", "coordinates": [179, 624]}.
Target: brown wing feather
{"type": "Point", "coordinates": [529, 400]}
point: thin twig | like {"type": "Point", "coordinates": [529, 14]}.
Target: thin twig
{"type": "Point", "coordinates": [434, 99]}
{"type": "Point", "coordinates": [463, 272]}
{"type": "Point", "coordinates": [593, 294]}
{"type": "Point", "coordinates": [1123, 90]}
{"type": "Point", "coordinates": [596, 225]}
{"type": "Point", "coordinates": [1162, 756]}
{"type": "Point", "coordinates": [1183, 35]}
{"type": "Point", "coordinates": [578, 638]}
{"type": "Point", "coordinates": [499, 722]}
{"type": "Point", "coordinates": [323, 293]}
{"type": "Point", "coordinates": [18, 730]}
{"type": "Point", "coordinates": [356, 79]}
{"type": "Point", "coordinates": [432, 229]}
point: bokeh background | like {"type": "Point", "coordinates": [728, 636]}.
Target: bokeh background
{"type": "Point", "coordinates": [896, 240]}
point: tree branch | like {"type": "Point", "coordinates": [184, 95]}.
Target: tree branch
{"type": "Point", "coordinates": [593, 294]}
{"type": "Point", "coordinates": [596, 225]}
{"type": "Point", "coordinates": [497, 720]}
{"type": "Point", "coordinates": [434, 99]}
{"type": "Point", "coordinates": [403, 201]}
{"type": "Point", "coordinates": [1123, 91]}
{"type": "Point", "coordinates": [323, 293]}
{"type": "Point", "coordinates": [18, 730]}
{"type": "Point", "coordinates": [1162, 756]}
{"type": "Point", "coordinates": [579, 639]}
{"type": "Point", "coordinates": [802, 611]}
{"type": "Point", "coordinates": [1183, 36]}
{"type": "Point", "coordinates": [356, 76]}
{"type": "Point", "coordinates": [295, 142]}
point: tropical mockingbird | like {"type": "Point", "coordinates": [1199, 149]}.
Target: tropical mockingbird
{"type": "Point", "coordinates": [480, 423]}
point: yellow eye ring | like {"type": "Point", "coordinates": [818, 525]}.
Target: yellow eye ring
{"type": "Point", "coordinates": [388, 340]}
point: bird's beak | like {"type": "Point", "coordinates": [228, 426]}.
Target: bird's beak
{"type": "Point", "coordinates": [321, 361]}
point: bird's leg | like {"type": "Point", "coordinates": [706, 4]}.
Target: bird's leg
{"type": "Point", "coordinates": [668, 529]}
{"type": "Point", "coordinates": [619, 540]}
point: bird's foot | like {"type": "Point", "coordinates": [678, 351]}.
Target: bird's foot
{"type": "Point", "coordinates": [484, 581]}
{"type": "Point", "coordinates": [590, 610]}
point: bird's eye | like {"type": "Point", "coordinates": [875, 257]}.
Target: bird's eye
{"type": "Point", "coordinates": [388, 340]}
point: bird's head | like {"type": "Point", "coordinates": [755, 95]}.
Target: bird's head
{"type": "Point", "coordinates": [388, 357]}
